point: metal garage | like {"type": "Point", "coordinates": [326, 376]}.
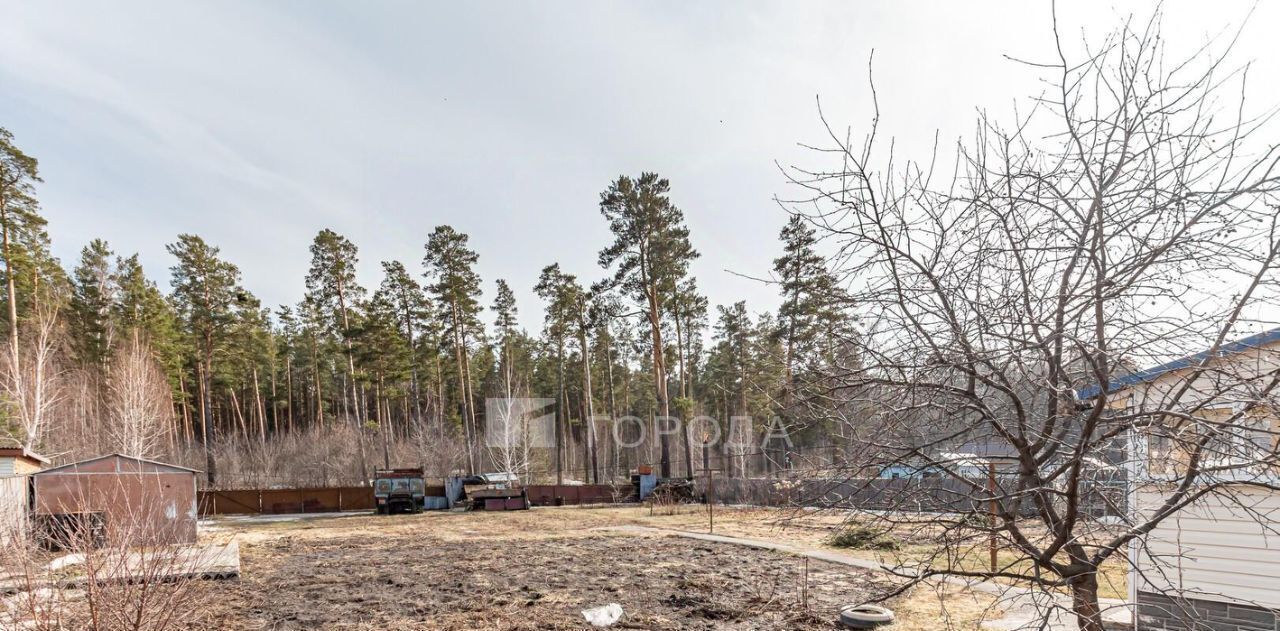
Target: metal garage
{"type": "Point", "coordinates": [135, 501]}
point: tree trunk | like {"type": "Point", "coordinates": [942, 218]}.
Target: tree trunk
{"type": "Point", "coordinates": [262, 409]}
{"type": "Point", "coordinates": [460, 353]}
{"type": "Point", "coordinates": [235, 406]}
{"type": "Point", "coordinates": [589, 410]}
{"type": "Point", "coordinates": [315, 373]}
{"type": "Point", "coordinates": [471, 403]}
{"type": "Point", "coordinates": [1084, 602]}
{"type": "Point", "coordinates": [613, 411]}
{"type": "Point", "coordinates": [660, 383]}
{"type": "Point", "coordinates": [206, 427]}
{"type": "Point", "coordinates": [383, 423]}
{"type": "Point", "coordinates": [413, 373]}
{"type": "Point", "coordinates": [10, 288]}
{"type": "Point", "coordinates": [288, 388]}
{"type": "Point", "coordinates": [186, 408]}
{"type": "Point", "coordinates": [275, 401]}
{"type": "Point", "coordinates": [560, 405]}
{"type": "Point", "coordinates": [684, 430]}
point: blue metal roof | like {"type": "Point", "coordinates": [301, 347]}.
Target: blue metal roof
{"type": "Point", "coordinates": [1257, 340]}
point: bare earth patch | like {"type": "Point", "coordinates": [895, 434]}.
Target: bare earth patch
{"type": "Point", "coordinates": [429, 583]}
{"type": "Point", "coordinates": [539, 569]}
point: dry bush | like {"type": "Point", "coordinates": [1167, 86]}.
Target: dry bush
{"type": "Point", "coordinates": [123, 578]}
{"type": "Point", "coordinates": [323, 457]}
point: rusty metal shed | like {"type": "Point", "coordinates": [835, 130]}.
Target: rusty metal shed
{"type": "Point", "coordinates": [139, 501]}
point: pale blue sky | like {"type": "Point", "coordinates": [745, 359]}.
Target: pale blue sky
{"type": "Point", "coordinates": [257, 124]}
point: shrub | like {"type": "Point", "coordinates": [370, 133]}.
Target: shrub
{"type": "Point", "coordinates": [863, 538]}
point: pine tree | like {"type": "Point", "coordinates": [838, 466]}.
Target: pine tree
{"type": "Point", "coordinates": [504, 306]}
{"type": "Point", "coordinates": [333, 290]}
{"type": "Point", "coordinates": [20, 222]}
{"type": "Point", "coordinates": [406, 299]}
{"type": "Point", "coordinates": [813, 310]}
{"type": "Point", "coordinates": [93, 301]}
{"type": "Point", "coordinates": [141, 307]}
{"type": "Point", "coordinates": [207, 295]}
{"type": "Point", "coordinates": [733, 337]}
{"type": "Point", "coordinates": [651, 253]}
{"type": "Point", "coordinates": [456, 288]}
{"type": "Point", "coordinates": [287, 347]}
{"type": "Point", "coordinates": [385, 354]}
{"type": "Point", "coordinates": [249, 355]}
{"type": "Point", "coordinates": [555, 288]}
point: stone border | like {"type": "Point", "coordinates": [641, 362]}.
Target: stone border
{"type": "Point", "coordinates": [1158, 612]}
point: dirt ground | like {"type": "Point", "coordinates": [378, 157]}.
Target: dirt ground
{"type": "Point", "coordinates": [537, 570]}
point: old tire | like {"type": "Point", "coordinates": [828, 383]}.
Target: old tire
{"type": "Point", "coordinates": [865, 616]}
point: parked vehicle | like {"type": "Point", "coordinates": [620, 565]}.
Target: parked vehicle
{"type": "Point", "coordinates": [399, 490]}
{"type": "Point", "coordinates": [487, 491]}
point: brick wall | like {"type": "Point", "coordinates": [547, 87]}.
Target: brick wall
{"type": "Point", "coordinates": [1163, 613]}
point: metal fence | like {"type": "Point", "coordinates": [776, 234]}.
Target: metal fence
{"type": "Point", "coordinates": [285, 501]}
{"type": "Point", "coordinates": [925, 495]}
{"type": "Point", "coordinates": [567, 494]}
{"type": "Point", "coordinates": [358, 498]}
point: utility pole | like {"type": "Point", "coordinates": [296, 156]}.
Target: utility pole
{"type": "Point", "coordinates": [991, 487]}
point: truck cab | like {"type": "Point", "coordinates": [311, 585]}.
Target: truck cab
{"type": "Point", "coordinates": [399, 490]}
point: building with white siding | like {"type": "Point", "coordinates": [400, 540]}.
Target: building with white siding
{"type": "Point", "coordinates": [1216, 563]}
{"type": "Point", "coordinates": [16, 466]}
{"type": "Point", "coordinates": [19, 461]}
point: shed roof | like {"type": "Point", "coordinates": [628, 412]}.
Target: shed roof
{"type": "Point", "coordinates": [22, 452]}
{"type": "Point", "coordinates": [144, 465]}
{"type": "Point", "coordinates": [1257, 340]}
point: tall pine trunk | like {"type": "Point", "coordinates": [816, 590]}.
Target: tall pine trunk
{"type": "Point", "coordinates": [10, 289]}
{"type": "Point", "coordinates": [560, 405]}
{"type": "Point", "coordinates": [663, 413]}
{"type": "Point", "coordinates": [589, 410]}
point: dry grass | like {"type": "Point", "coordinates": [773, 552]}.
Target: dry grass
{"type": "Point", "coordinates": [945, 607]}
{"type": "Point", "coordinates": [815, 528]}
{"type": "Point", "coordinates": [291, 553]}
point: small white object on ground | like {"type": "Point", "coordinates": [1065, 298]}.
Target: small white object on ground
{"type": "Point", "coordinates": [865, 616]}
{"type": "Point", "coordinates": [604, 616]}
{"type": "Point", "coordinates": [66, 560]}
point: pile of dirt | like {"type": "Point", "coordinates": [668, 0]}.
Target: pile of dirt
{"type": "Point", "coordinates": [423, 582]}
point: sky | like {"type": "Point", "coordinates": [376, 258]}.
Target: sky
{"type": "Point", "coordinates": [257, 124]}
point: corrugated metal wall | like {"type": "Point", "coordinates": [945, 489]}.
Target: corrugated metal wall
{"type": "Point", "coordinates": [567, 494]}
{"type": "Point", "coordinates": [141, 501]}
{"type": "Point", "coordinates": [283, 501]}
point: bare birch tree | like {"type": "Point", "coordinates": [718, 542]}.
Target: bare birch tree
{"type": "Point", "coordinates": [139, 401]}
{"type": "Point", "coordinates": [1126, 217]}
{"type": "Point", "coordinates": [32, 386]}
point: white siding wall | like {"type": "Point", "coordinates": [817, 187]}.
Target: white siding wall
{"type": "Point", "coordinates": [1215, 550]}
{"type": "Point", "coordinates": [6, 467]}
{"type": "Point", "coordinates": [13, 507]}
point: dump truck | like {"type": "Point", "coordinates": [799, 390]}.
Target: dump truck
{"type": "Point", "coordinates": [399, 490]}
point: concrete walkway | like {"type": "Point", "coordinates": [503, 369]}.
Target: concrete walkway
{"type": "Point", "coordinates": [1023, 608]}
